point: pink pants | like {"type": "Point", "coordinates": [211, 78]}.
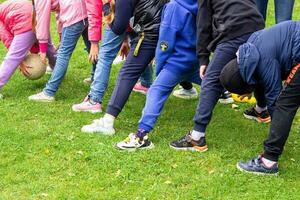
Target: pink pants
{"type": "Point", "coordinates": [17, 51]}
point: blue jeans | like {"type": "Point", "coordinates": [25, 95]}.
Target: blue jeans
{"type": "Point", "coordinates": [283, 9]}
{"type": "Point", "coordinates": [211, 87]}
{"type": "Point", "coordinates": [159, 92]}
{"type": "Point", "coordinates": [110, 46]}
{"type": "Point", "coordinates": [69, 39]}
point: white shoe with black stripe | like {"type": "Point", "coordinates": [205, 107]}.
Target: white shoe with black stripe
{"type": "Point", "coordinates": [132, 143]}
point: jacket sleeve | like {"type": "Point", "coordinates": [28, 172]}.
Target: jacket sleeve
{"type": "Point", "coordinates": [204, 30]}
{"type": "Point", "coordinates": [94, 11]}
{"type": "Point", "coordinates": [271, 80]}
{"type": "Point", "coordinates": [167, 37]}
{"type": "Point", "coordinates": [43, 14]}
{"type": "Point", "coordinates": [5, 36]}
{"type": "Point", "coordinates": [123, 12]}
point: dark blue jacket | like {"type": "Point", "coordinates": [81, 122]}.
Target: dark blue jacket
{"type": "Point", "coordinates": [176, 47]}
{"type": "Point", "coordinates": [268, 57]}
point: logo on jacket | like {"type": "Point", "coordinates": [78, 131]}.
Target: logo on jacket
{"type": "Point", "coordinates": [164, 46]}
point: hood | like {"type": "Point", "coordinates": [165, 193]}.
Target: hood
{"type": "Point", "coordinates": [190, 5]}
{"type": "Point", "coordinates": [248, 60]}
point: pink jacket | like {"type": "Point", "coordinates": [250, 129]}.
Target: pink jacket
{"type": "Point", "coordinates": [15, 18]}
{"type": "Point", "coordinates": [68, 13]}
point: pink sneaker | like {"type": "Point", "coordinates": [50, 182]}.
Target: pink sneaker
{"type": "Point", "coordinates": [139, 88]}
{"type": "Point", "coordinates": [87, 106]}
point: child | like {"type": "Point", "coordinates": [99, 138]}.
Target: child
{"type": "Point", "coordinates": [146, 23]}
{"type": "Point", "coordinates": [263, 62]}
{"type": "Point", "coordinates": [77, 17]}
{"type": "Point", "coordinates": [17, 36]}
{"type": "Point", "coordinates": [222, 26]}
{"type": "Point", "coordinates": [176, 61]}
{"type": "Point", "coordinates": [109, 49]}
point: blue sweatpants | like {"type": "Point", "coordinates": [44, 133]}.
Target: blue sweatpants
{"type": "Point", "coordinates": [159, 92]}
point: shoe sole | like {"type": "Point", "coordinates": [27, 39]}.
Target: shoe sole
{"type": "Point", "coordinates": [256, 173]}
{"type": "Point", "coordinates": [140, 91]}
{"type": "Point", "coordinates": [198, 149]}
{"type": "Point", "coordinates": [42, 101]}
{"type": "Point", "coordinates": [226, 101]}
{"type": "Point", "coordinates": [99, 132]}
{"type": "Point", "coordinates": [185, 97]}
{"type": "Point", "coordinates": [258, 119]}
{"type": "Point", "coordinates": [89, 111]}
{"type": "Point", "coordinates": [151, 146]}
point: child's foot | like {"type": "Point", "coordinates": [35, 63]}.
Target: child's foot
{"type": "Point", "coordinates": [49, 70]}
{"type": "Point", "coordinates": [256, 166]}
{"type": "Point", "coordinates": [99, 126]}
{"type": "Point", "coordinates": [41, 97]}
{"type": "Point", "coordinates": [140, 88]}
{"type": "Point", "coordinates": [87, 105]}
{"type": "Point", "coordinates": [88, 81]}
{"type": "Point", "coordinates": [187, 143]}
{"type": "Point", "coordinates": [132, 143]}
{"type": "Point", "coordinates": [263, 117]}
{"type": "Point", "coordinates": [226, 98]}
{"type": "Point", "coordinates": [186, 94]}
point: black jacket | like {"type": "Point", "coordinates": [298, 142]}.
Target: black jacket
{"type": "Point", "coordinates": [222, 20]}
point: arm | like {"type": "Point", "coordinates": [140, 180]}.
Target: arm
{"type": "Point", "coordinates": [167, 37]}
{"type": "Point", "coordinates": [123, 13]}
{"type": "Point", "coordinates": [94, 11]}
{"type": "Point", "coordinates": [5, 36]}
{"type": "Point", "coordinates": [204, 30]}
{"type": "Point", "coordinates": [43, 13]}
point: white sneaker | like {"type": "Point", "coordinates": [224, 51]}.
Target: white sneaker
{"type": "Point", "coordinates": [118, 60]}
{"type": "Point", "coordinates": [226, 98]}
{"type": "Point", "coordinates": [132, 143]}
{"type": "Point", "coordinates": [41, 97]}
{"type": "Point", "coordinates": [186, 94]}
{"type": "Point", "coordinates": [99, 126]}
{"type": "Point", "coordinates": [49, 70]}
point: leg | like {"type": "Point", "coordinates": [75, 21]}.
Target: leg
{"type": "Point", "coordinates": [131, 71]}
{"type": "Point", "coordinates": [18, 50]}
{"type": "Point", "coordinates": [283, 10]}
{"type": "Point", "coordinates": [146, 77]}
{"type": "Point", "coordinates": [109, 49]}
{"type": "Point", "coordinates": [186, 85]}
{"type": "Point", "coordinates": [51, 54]}
{"type": "Point", "coordinates": [262, 7]}
{"type": "Point", "coordinates": [211, 87]}
{"type": "Point", "coordinates": [156, 98]}
{"type": "Point", "coordinates": [259, 95]}
{"type": "Point", "coordinates": [285, 111]}
{"type": "Point", "coordinates": [70, 36]}
{"type": "Point", "coordinates": [85, 37]}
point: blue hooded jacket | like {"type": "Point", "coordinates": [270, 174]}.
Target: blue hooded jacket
{"type": "Point", "coordinates": [268, 57]}
{"type": "Point", "coordinates": [176, 47]}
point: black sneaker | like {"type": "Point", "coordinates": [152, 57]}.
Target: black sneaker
{"type": "Point", "coordinates": [226, 98]}
{"type": "Point", "coordinates": [187, 143]}
{"type": "Point", "coordinates": [256, 166]}
{"type": "Point", "coordinates": [263, 117]}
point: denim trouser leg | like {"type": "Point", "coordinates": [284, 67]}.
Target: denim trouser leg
{"type": "Point", "coordinates": [159, 92]}
{"type": "Point", "coordinates": [147, 76]}
{"type": "Point", "coordinates": [283, 10]}
{"type": "Point", "coordinates": [129, 74]}
{"type": "Point", "coordinates": [110, 46]}
{"type": "Point", "coordinates": [211, 87]}
{"type": "Point", "coordinates": [70, 37]}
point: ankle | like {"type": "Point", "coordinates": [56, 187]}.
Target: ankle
{"type": "Point", "coordinates": [108, 118]}
{"type": "Point", "coordinates": [141, 133]}
{"type": "Point", "coordinates": [196, 135]}
{"type": "Point", "coordinates": [268, 163]}
{"type": "Point", "coordinates": [260, 109]}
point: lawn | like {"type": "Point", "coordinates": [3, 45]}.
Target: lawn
{"type": "Point", "coordinates": [44, 155]}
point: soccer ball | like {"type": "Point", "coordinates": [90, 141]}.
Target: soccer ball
{"type": "Point", "coordinates": [36, 68]}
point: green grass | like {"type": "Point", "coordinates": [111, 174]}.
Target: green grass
{"type": "Point", "coordinates": [43, 154]}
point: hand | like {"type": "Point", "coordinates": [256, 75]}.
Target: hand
{"type": "Point", "coordinates": [202, 71]}
{"type": "Point", "coordinates": [124, 50]}
{"type": "Point", "coordinates": [105, 1]}
{"type": "Point", "coordinates": [24, 69]}
{"type": "Point", "coordinates": [245, 95]}
{"type": "Point", "coordinates": [43, 58]}
{"type": "Point", "coordinates": [93, 57]}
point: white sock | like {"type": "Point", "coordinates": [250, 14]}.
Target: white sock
{"type": "Point", "coordinates": [196, 135]}
{"type": "Point", "coordinates": [259, 109]}
{"type": "Point", "coordinates": [268, 163]}
{"type": "Point", "coordinates": [109, 119]}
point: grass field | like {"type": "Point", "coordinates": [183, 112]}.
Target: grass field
{"type": "Point", "coordinates": [43, 154]}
